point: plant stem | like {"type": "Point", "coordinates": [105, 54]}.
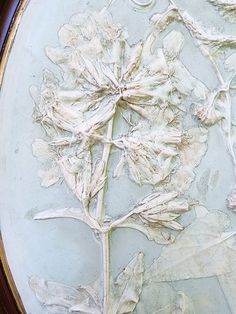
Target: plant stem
{"type": "Point", "coordinates": [120, 220]}
{"type": "Point", "coordinates": [105, 158]}
{"type": "Point", "coordinates": [100, 213]}
{"type": "Point", "coordinates": [205, 51]}
{"type": "Point", "coordinates": [106, 271]}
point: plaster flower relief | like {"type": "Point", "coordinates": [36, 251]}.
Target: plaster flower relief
{"type": "Point", "coordinates": [227, 8]}
{"type": "Point", "coordinates": [105, 78]}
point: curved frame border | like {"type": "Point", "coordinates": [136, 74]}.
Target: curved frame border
{"type": "Point", "coordinates": [6, 49]}
{"type": "Point", "coordinates": [11, 36]}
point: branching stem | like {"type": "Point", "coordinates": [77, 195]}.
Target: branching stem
{"type": "Point", "coordinates": [224, 87]}
{"type": "Point", "coordinates": [100, 214]}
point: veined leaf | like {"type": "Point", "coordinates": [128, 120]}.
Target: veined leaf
{"type": "Point", "coordinates": [161, 298]}
{"type": "Point", "coordinates": [59, 298]}
{"type": "Point", "coordinates": [128, 286]}
{"type": "Point", "coordinates": [161, 209]}
{"type": "Point", "coordinates": [227, 283]}
{"type": "Point", "coordinates": [201, 250]}
{"type": "Point", "coordinates": [152, 232]}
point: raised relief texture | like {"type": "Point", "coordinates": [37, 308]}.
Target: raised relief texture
{"type": "Point", "coordinates": [105, 79]}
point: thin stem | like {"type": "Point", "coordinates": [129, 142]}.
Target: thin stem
{"type": "Point", "coordinates": [120, 220]}
{"type": "Point", "coordinates": [100, 218]}
{"type": "Point", "coordinates": [106, 271]}
{"type": "Point", "coordinates": [100, 214]}
{"type": "Point", "coordinates": [105, 158]}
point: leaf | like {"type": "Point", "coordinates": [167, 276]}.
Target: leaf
{"type": "Point", "coordinates": [230, 62]}
{"type": "Point", "coordinates": [134, 59]}
{"type": "Point", "coordinates": [185, 82]}
{"type": "Point", "coordinates": [41, 150]}
{"type": "Point", "coordinates": [58, 298]}
{"type": "Point", "coordinates": [119, 168]}
{"type": "Point", "coordinates": [197, 31]}
{"type": "Point", "coordinates": [231, 199]}
{"type": "Point", "coordinates": [208, 115]}
{"type": "Point", "coordinates": [98, 178]}
{"type": "Point", "coordinates": [128, 286]}
{"type": "Point", "coordinates": [161, 298]}
{"type": "Point", "coordinates": [77, 171]}
{"type": "Point", "coordinates": [201, 250]}
{"type": "Point", "coordinates": [157, 298]}
{"type": "Point", "coordinates": [50, 176]}
{"type": "Point", "coordinates": [161, 21]}
{"type": "Point", "coordinates": [74, 213]}
{"type": "Point", "coordinates": [99, 118]}
{"type": "Point", "coordinates": [86, 309]}
{"type": "Point", "coordinates": [227, 284]}
{"type": "Point", "coordinates": [153, 233]}
{"type": "Point", "coordinates": [150, 156]}
{"type": "Point", "coordinates": [191, 151]}
{"type": "Point", "coordinates": [227, 8]}
{"type": "Point", "coordinates": [173, 44]}
{"type": "Point", "coordinates": [161, 209]}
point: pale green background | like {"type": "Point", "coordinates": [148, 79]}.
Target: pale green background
{"type": "Point", "coordinates": [66, 251]}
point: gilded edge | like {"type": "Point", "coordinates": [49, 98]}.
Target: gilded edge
{"type": "Point", "coordinates": [3, 61]}
{"type": "Point", "coordinates": [11, 36]}
{"type": "Point", "coordinates": [10, 279]}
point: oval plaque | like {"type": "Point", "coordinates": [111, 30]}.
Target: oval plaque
{"type": "Point", "coordinates": [118, 157]}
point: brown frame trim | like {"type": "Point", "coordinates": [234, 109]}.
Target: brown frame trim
{"type": "Point", "coordinates": [22, 4]}
{"type": "Point", "coordinates": [10, 298]}
{"type": "Point", "coordinates": [10, 16]}
{"type": "Point", "coordinates": [7, 11]}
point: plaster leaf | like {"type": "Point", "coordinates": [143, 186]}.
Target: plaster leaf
{"type": "Point", "coordinates": [227, 284]}
{"type": "Point", "coordinates": [161, 209]}
{"type": "Point", "coordinates": [150, 157]}
{"type": "Point", "coordinates": [197, 251]}
{"type": "Point", "coordinates": [191, 151]}
{"type": "Point", "coordinates": [185, 82]}
{"type": "Point", "coordinates": [208, 114]}
{"type": "Point", "coordinates": [49, 176]}
{"type": "Point", "coordinates": [119, 168]}
{"type": "Point", "coordinates": [200, 33]}
{"type": "Point", "coordinates": [134, 59]}
{"type": "Point", "coordinates": [173, 44]}
{"type": "Point", "coordinates": [184, 305]}
{"type": "Point", "coordinates": [77, 171]}
{"type": "Point", "coordinates": [98, 178]}
{"type": "Point", "coordinates": [74, 213]}
{"type": "Point", "coordinates": [128, 286]}
{"type": "Point", "coordinates": [161, 21]}
{"type": "Point", "coordinates": [152, 232]}
{"type": "Point", "coordinates": [230, 62]}
{"type": "Point", "coordinates": [227, 8]}
{"type": "Point", "coordinates": [157, 298]}
{"type": "Point", "coordinates": [41, 150]}
{"type": "Point", "coordinates": [231, 199]}
{"type": "Point", "coordinates": [85, 309]}
{"type": "Point", "coordinates": [59, 298]}
{"type": "Point", "coordinates": [162, 298]}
